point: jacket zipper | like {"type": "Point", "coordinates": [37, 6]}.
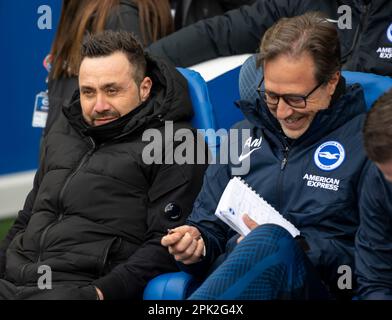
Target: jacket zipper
{"type": "Point", "coordinates": [281, 173]}
{"type": "Point", "coordinates": [363, 25]}
{"type": "Point", "coordinates": [104, 258]}
{"type": "Point", "coordinates": [22, 273]}
{"type": "Point", "coordinates": [60, 201]}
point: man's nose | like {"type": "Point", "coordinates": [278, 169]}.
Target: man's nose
{"type": "Point", "coordinates": [283, 110]}
{"type": "Point", "coordinates": [101, 104]}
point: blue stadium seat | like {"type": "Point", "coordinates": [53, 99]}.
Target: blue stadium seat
{"type": "Point", "coordinates": [170, 286]}
{"type": "Point", "coordinates": [179, 285]}
{"type": "Point", "coordinates": [204, 117]}
{"type": "Point", "coordinates": [372, 84]}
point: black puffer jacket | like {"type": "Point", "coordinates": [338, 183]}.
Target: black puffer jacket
{"type": "Point", "coordinates": [97, 211]}
{"type": "Point", "coordinates": [365, 47]}
{"type": "Point", "coordinates": [191, 11]}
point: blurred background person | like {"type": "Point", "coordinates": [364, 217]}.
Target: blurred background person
{"type": "Point", "coordinates": [191, 11]}
{"type": "Point", "coordinates": [378, 134]}
{"type": "Point", "coordinates": [374, 237]}
{"type": "Point", "coordinates": [365, 32]}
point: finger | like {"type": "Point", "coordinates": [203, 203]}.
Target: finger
{"type": "Point", "coordinates": [171, 250]}
{"type": "Point", "coordinates": [200, 248]}
{"type": "Point", "coordinates": [193, 231]}
{"type": "Point", "coordinates": [182, 229]}
{"type": "Point", "coordinates": [190, 261]}
{"type": "Point", "coordinates": [188, 252]}
{"type": "Point", "coordinates": [240, 239]}
{"type": "Point", "coordinates": [174, 235]}
{"type": "Point", "coordinates": [197, 254]}
{"type": "Point", "coordinates": [250, 223]}
{"type": "Point", "coordinates": [171, 239]}
{"type": "Point", "coordinates": [183, 244]}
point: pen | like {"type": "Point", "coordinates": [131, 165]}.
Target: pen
{"type": "Point", "coordinates": [170, 231]}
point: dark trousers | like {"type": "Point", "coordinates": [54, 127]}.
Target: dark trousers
{"type": "Point", "coordinates": [267, 264]}
{"type": "Point", "coordinates": [8, 291]}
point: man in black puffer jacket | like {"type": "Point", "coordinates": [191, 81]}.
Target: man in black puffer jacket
{"type": "Point", "coordinates": [366, 43]}
{"type": "Point", "coordinates": [98, 209]}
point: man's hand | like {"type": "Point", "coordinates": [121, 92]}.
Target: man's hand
{"type": "Point", "coordinates": [185, 244]}
{"type": "Point", "coordinates": [99, 294]}
{"type": "Point", "coordinates": [250, 223]}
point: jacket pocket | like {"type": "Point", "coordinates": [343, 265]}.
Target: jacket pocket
{"type": "Point", "coordinates": [329, 230]}
{"type": "Point", "coordinates": [327, 216]}
{"type": "Point", "coordinates": [104, 262]}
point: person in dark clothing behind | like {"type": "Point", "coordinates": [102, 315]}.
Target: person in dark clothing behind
{"type": "Point", "coordinates": [148, 20]}
{"type": "Point", "coordinates": [365, 45]}
{"type": "Point", "coordinates": [306, 160]}
{"type": "Point", "coordinates": [191, 11]}
{"type": "Point", "coordinates": [374, 237]}
{"type": "Point", "coordinates": [98, 210]}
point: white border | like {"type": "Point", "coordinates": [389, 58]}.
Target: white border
{"type": "Point", "coordinates": [13, 192]}
{"type": "Point", "coordinates": [212, 69]}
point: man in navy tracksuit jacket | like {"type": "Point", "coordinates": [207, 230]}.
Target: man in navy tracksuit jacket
{"type": "Point", "coordinates": [308, 163]}
{"type": "Point", "coordinates": [323, 205]}
{"type": "Point", "coordinates": [374, 237]}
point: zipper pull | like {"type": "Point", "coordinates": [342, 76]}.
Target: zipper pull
{"type": "Point", "coordinates": [284, 161]}
{"type": "Point", "coordinates": [93, 144]}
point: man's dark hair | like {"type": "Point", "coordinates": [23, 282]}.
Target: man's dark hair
{"type": "Point", "coordinates": [377, 131]}
{"type": "Point", "coordinates": [309, 33]}
{"type": "Point", "coordinates": [108, 42]}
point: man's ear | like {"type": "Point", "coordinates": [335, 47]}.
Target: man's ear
{"type": "Point", "coordinates": [145, 88]}
{"type": "Point", "coordinates": [333, 82]}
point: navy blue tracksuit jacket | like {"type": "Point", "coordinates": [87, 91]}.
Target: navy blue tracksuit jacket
{"type": "Point", "coordinates": [374, 239]}
{"type": "Point", "coordinates": [314, 182]}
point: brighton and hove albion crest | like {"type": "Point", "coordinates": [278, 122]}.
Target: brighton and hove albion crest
{"type": "Point", "coordinates": [329, 156]}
